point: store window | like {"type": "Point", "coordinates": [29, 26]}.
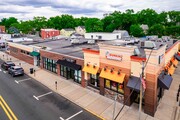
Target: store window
{"type": "Point", "coordinates": [49, 65]}
{"type": "Point", "coordinates": [94, 81]}
{"type": "Point", "coordinates": [77, 76]}
{"type": "Point", "coordinates": [114, 86]}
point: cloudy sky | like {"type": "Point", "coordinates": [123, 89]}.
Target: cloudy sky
{"type": "Point", "coordinates": [27, 9]}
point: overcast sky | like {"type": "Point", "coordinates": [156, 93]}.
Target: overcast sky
{"type": "Point", "coordinates": [27, 9]}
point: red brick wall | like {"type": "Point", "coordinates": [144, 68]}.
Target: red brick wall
{"type": "Point", "coordinates": [150, 99]}
{"type": "Point", "coordinates": [48, 34]}
{"type": "Point", "coordinates": [2, 29]}
{"type": "Point", "coordinates": [21, 56]}
{"type": "Point", "coordinates": [56, 56]}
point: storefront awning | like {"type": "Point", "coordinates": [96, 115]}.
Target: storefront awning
{"type": "Point", "coordinates": [134, 83]}
{"type": "Point", "coordinates": [164, 81]}
{"type": "Point", "coordinates": [175, 62]}
{"type": "Point", "coordinates": [114, 76]}
{"type": "Point", "coordinates": [171, 70]}
{"type": "Point", "coordinates": [177, 57]}
{"type": "Point", "coordinates": [90, 69]}
{"type": "Point", "coordinates": [34, 53]}
{"type": "Point", "coordinates": [69, 64]}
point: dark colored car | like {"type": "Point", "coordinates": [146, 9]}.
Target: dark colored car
{"type": "Point", "coordinates": [16, 70]}
{"type": "Point", "coordinates": [7, 64]}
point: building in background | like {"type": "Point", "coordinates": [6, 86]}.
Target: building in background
{"type": "Point", "coordinates": [80, 30]}
{"type": "Point", "coordinates": [49, 33]}
{"type": "Point", "coordinates": [124, 33]}
{"type": "Point", "coordinates": [145, 28]}
{"type": "Point", "coordinates": [2, 29]}
{"type": "Point", "coordinates": [103, 36]}
{"type": "Point", "coordinates": [67, 31]}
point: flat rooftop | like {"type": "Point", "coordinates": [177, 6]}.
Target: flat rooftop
{"type": "Point", "coordinates": [64, 46]}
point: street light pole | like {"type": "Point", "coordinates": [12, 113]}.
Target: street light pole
{"type": "Point", "coordinates": [115, 98]}
{"type": "Point", "coordinates": [140, 96]}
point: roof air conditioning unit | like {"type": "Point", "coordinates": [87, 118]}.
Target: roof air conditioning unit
{"type": "Point", "coordinates": [148, 44]}
{"type": "Point", "coordinates": [91, 41]}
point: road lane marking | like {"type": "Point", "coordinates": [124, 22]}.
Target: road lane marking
{"type": "Point", "coordinates": [4, 71]}
{"type": "Point", "coordinates": [37, 97]}
{"type": "Point", "coordinates": [8, 108]}
{"type": "Point", "coordinates": [0, 70]}
{"type": "Point", "coordinates": [3, 107]}
{"type": "Point", "coordinates": [61, 118]}
{"type": "Point", "coordinates": [71, 116]}
{"type": "Point", "coordinates": [18, 81]}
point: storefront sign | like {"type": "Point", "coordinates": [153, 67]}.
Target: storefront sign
{"type": "Point", "coordinates": [113, 56]}
{"type": "Point", "coordinates": [70, 60]}
{"type": "Point", "coordinates": [160, 58]}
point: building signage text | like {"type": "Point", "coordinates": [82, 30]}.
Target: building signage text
{"type": "Point", "coordinates": [113, 56]}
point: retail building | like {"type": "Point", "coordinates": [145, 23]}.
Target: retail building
{"type": "Point", "coordinates": [109, 67]}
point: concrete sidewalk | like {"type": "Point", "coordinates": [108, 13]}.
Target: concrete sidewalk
{"type": "Point", "coordinates": [94, 102]}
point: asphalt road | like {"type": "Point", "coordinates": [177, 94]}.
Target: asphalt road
{"type": "Point", "coordinates": [30, 100]}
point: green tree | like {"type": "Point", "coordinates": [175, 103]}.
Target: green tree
{"type": "Point", "coordinates": [108, 25]}
{"type": "Point", "coordinates": [157, 29]}
{"type": "Point", "coordinates": [174, 17]}
{"type": "Point", "coordinates": [39, 23]}
{"type": "Point", "coordinates": [7, 22]}
{"type": "Point", "coordinates": [174, 31]}
{"type": "Point", "coordinates": [147, 16]}
{"type": "Point", "coordinates": [94, 25]}
{"type": "Point", "coordinates": [136, 31]}
{"type": "Point", "coordinates": [67, 21]}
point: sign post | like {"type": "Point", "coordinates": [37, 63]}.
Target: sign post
{"type": "Point", "coordinates": [56, 84]}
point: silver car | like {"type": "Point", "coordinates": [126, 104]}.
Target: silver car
{"type": "Point", "coordinates": [16, 70]}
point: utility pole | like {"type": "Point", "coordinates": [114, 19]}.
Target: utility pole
{"type": "Point", "coordinates": [115, 98]}
{"type": "Point", "coordinates": [141, 91]}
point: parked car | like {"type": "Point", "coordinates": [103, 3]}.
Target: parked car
{"type": "Point", "coordinates": [16, 70]}
{"type": "Point", "coordinates": [7, 64]}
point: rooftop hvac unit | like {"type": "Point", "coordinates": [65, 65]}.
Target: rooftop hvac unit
{"type": "Point", "coordinates": [75, 41]}
{"type": "Point", "coordinates": [91, 41]}
{"type": "Point", "coordinates": [148, 44]}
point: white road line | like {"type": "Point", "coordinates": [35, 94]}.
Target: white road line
{"type": "Point", "coordinates": [4, 71]}
{"type": "Point", "coordinates": [71, 116]}
{"type": "Point", "coordinates": [37, 97]}
{"type": "Point", "coordinates": [0, 70]}
{"type": "Point", "coordinates": [61, 118]}
{"type": "Point", "coordinates": [18, 81]}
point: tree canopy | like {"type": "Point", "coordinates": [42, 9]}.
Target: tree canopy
{"type": "Point", "coordinates": [164, 23]}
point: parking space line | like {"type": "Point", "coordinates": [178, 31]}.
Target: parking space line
{"type": "Point", "coordinates": [61, 118]}
{"type": "Point", "coordinates": [71, 116]}
{"type": "Point", "coordinates": [0, 70]}
{"type": "Point", "coordinates": [37, 97]}
{"type": "Point", "coordinates": [18, 81]}
{"type": "Point", "coordinates": [4, 71]}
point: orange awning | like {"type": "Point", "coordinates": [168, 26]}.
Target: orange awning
{"type": "Point", "coordinates": [175, 62]}
{"type": "Point", "coordinates": [171, 70]}
{"type": "Point", "coordinates": [90, 69]}
{"type": "Point", "coordinates": [114, 76]}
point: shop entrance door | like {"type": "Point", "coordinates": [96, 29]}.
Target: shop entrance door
{"type": "Point", "coordinates": [70, 73]}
